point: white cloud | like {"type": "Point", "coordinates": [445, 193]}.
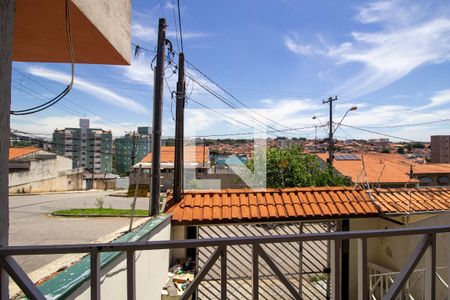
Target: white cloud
{"type": "Point", "coordinates": [144, 33]}
{"type": "Point", "coordinates": [440, 98]}
{"type": "Point", "coordinates": [388, 54]}
{"type": "Point", "coordinates": [390, 12]}
{"type": "Point", "coordinates": [139, 71]}
{"type": "Point", "coordinates": [297, 47]}
{"type": "Point", "coordinates": [104, 94]}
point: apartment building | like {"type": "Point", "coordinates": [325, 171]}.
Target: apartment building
{"type": "Point", "coordinates": [90, 148]}
{"type": "Point", "coordinates": [440, 149]}
{"type": "Point", "coordinates": [140, 142]}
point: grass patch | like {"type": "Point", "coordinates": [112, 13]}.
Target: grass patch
{"type": "Point", "coordinates": [99, 212]}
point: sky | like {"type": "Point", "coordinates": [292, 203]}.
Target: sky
{"type": "Point", "coordinates": [279, 58]}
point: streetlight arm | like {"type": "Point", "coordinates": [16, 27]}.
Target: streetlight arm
{"type": "Point", "coordinates": [346, 113]}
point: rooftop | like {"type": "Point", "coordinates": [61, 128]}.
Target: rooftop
{"type": "Point", "coordinates": [309, 203]}
{"type": "Point", "coordinates": [412, 200]}
{"type": "Point", "coordinates": [15, 153]}
{"type": "Point", "coordinates": [199, 154]}
{"type": "Point", "coordinates": [245, 205]}
{"type": "Point", "coordinates": [380, 167]}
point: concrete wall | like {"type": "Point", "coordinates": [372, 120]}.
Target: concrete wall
{"type": "Point", "coordinates": [227, 181]}
{"type": "Point", "coordinates": [151, 274]}
{"type": "Point", "coordinates": [392, 252]}
{"type": "Point", "coordinates": [46, 175]}
{"type": "Point", "coordinates": [122, 183]}
{"type": "Point", "coordinates": [178, 233]}
{"type": "Point", "coordinates": [72, 182]}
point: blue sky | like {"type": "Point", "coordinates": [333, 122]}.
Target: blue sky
{"type": "Point", "coordinates": [281, 58]}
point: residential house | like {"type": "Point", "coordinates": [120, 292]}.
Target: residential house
{"type": "Point", "coordinates": [387, 170]}
{"type": "Point", "coordinates": [34, 170]}
{"type": "Point", "coordinates": [195, 158]}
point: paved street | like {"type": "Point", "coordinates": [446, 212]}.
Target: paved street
{"type": "Point", "coordinates": [32, 224]}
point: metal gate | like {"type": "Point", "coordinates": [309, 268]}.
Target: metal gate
{"type": "Point", "coordinates": [305, 265]}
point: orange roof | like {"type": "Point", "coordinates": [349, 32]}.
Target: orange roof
{"type": "Point", "coordinates": [396, 167]}
{"type": "Point", "coordinates": [431, 168]}
{"type": "Point", "coordinates": [168, 154]}
{"type": "Point", "coordinates": [15, 153]}
{"type": "Point", "coordinates": [245, 205]}
{"type": "Point", "coordinates": [412, 200]}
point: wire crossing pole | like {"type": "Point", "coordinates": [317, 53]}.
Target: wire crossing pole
{"type": "Point", "coordinates": [330, 135]}
{"type": "Point", "coordinates": [178, 180]}
{"type": "Point", "coordinates": [158, 89]}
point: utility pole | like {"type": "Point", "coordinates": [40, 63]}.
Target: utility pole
{"type": "Point", "coordinates": [178, 180]}
{"type": "Point", "coordinates": [330, 135]}
{"type": "Point", "coordinates": [158, 89]}
{"type": "Point", "coordinates": [133, 148]}
{"type": "Point", "coordinates": [344, 223]}
{"type": "Point", "coordinates": [7, 15]}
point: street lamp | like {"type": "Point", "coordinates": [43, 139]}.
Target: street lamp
{"type": "Point", "coordinates": [340, 122]}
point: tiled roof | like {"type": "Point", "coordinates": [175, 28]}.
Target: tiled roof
{"type": "Point", "coordinates": [245, 205]}
{"type": "Point", "coordinates": [15, 153]}
{"type": "Point", "coordinates": [431, 168]}
{"type": "Point", "coordinates": [227, 206]}
{"type": "Point", "coordinates": [200, 153]}
{"type": "Point", "coordinates": [412, 200]}
{"type": "Point", "coordinates": [396, 168]}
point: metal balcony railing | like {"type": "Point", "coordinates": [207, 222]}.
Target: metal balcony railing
{"type": "Point", "coordinates": [427, 242]}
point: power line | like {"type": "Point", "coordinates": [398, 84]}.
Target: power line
{"type": "Point", "coordinates": [223, 99]}
{"type": "Point", "coordinates": [179, 24]}
{"type": "Point", "coordinates": [232, 96]}
{"type": "Point", "coordinates": [176, 24]}
{"type": "Point", "coordinates": [409, 125]}
{"type": "Point", "coordinates": [379, 133]}
{"type": "Point", "coordinates": [56, 99]}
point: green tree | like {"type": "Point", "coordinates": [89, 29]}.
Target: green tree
{"type": "Point", "coordinates": [291, 167]}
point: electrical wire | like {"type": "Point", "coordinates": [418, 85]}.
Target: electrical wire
{"type": "Point", "coordinates": [379, 133]}
{"type": "Point", "coordinates": [56, 99]}
{"type": "Point", "coordinates": [409, 125]}
{"type": "Point", "coordinates": [179, 24]}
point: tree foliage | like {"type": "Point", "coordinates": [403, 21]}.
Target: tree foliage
{"type": "Point", "coordinates": [291, 167]}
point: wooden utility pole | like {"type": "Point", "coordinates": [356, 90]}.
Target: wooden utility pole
{"type": "Point", "coordinates": [330, 135]}
{"type": "Point", "coordinates": [178, 178]}
{"type": "Point", "coordinates": [133, 148]}
{"type": "Point", "coordinates": [158, 89]}
{"type": "Point", "coordinates": [7, 15]}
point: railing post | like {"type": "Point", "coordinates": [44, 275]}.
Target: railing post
{"type": "Point", "coordinates": [223, 274]}
{"type": "Point", "coordinates": [4, 292]}
{"type": "Point", "coordinates": [95, 275]}
{"type": "Point", "coordinates": [430, 269]}
{"type": "Point", "coordinates": [300, 263]}
{"type": "Point", "coordinates": [336, 269]}
{"type": "Point", "coordinates": [363, 291]}
{"type": "Point", "coordinates": [131, 275]}
{"type": "Point", "coordinates": [255, 272]}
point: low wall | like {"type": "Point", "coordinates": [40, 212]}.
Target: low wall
{"type": "Point", "coordinates": [151, 269]}
{"type": "Point", "coordinates": [227, 181]}
{"type": "Point", "coordinates": [72, 182]}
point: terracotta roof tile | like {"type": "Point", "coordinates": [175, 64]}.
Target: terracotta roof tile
{"type": "Point", "coordinates": [224, 206]}
{"type": "Point", "coordinates": [398, 201]}
{"type": "Point", "coordinates": [15, 153]}
{"type": "Point", "coordinates": [197, 153]}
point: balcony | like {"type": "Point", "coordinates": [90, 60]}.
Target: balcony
{"type": "Point", "coordinates": [124, 270]}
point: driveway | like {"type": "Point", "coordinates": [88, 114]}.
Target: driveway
{"type": "Point", "coordinates": [32, 224]}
